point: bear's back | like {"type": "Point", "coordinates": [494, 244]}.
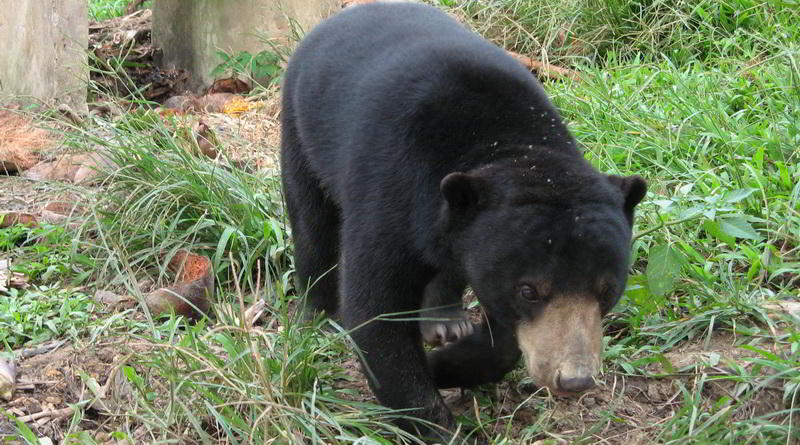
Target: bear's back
{"type": "Point", "coordinates": [399, 94]}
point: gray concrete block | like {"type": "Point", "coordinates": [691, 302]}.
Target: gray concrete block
{"type": "Point", "coordinates": [43, 54]}
{"type": "Point", "coordinates": [191, 32]}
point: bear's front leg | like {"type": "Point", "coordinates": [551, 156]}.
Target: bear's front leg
{"type": "Point", "coordinates": [443, 319]}
{"type": "Point", "coordinates": [485, 356]}
{"type": "Point", "coordinates": [393, 358]}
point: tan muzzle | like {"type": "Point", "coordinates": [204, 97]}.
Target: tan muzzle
{"type": "Point", "coordinates": [563, 346]}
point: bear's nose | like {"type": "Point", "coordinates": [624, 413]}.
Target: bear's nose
{"type": "Point", "coordinates": [574, 381]}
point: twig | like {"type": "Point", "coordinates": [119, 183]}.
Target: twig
{"type": "Point", "coordinates": [51, 413]}
{"type": "Point", "coordinates": [663, 224]}
{"type": "Point", "coordinates": [545, 69]}
{"type": "Point", "coordinates": [133, 6]}
{"type": "Point", "coordinates": [30, 352]}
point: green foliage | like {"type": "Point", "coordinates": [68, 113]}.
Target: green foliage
{"type": "Point", "coordinates": [40, 314]}
{"type": "Point", "coordinates": [255, 384]}
{"type": "Point", "coordinates": [718, 196]}
{"type": "Point", "coordinates": [107, 9]}
{"type": "Point", "coordinates": [45, 254]}
{"type": "Point", "coordinates": [264, 64]}
{"type": "Point", "coordinates": [663, 266]}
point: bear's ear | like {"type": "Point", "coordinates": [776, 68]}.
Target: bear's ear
{"type": "Point", "coordinates": [633, 189]}
{"type": "Point", "coordinates": [462, 190]}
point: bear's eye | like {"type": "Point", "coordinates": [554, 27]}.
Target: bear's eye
{"type": "Point", "coordinates": [529, 293]}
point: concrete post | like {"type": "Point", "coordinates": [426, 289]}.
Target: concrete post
{"type": "Point", "coordinates": [191, 32]}
{"type": "Point", "coordinates": [43, 51]}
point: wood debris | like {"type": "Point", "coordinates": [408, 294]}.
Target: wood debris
{"type": "Point", "coordinates": [545, 69]}
{"type": "Point", "coordinates": [128, 39]}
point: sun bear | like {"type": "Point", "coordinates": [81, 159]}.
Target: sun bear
{"type": "Point", "coordinates": [417, 159]}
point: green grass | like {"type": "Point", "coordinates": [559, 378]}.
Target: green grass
{"type": "Point", "coordinates": [701, 98]}
{"type": "Point", "coordinates": [164, 198]}
{"type": "Point", "coordinates": [108, 9]}
{"type": "Point", "coordinates": [41, 314]}
{"type": "Point", "coordinates": [50, 308]}
{"type": "Point", "coordinates": [579, 31]}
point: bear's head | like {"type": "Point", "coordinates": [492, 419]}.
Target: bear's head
{"type": "Point", "coordinates": [543, 239]}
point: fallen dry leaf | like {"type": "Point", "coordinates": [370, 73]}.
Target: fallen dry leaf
{"type": "Point", "coordinates": [12, 218]}
{"type": "Point", "coordinates": [783, 307]}
{"type": "Point", "coordinates": [83, 168]}
{"type": "Point", "coordinates": [254, 312]}
{"type": "Point", "coordinates": [239, 105]}
{"type": "Point", "coordinates": [110, 298]}
{"type": "Point", "coordinates": [92, 167]}
{"type": "Point", "coordinates": [229, 85]}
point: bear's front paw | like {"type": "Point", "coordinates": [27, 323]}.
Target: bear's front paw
{"type": "Point", "coordinates": [444, 326]}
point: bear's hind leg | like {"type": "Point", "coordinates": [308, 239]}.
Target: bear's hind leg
{"type": "Point", "coordinates": [315, 227]}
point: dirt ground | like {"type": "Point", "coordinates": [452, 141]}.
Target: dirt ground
{"type": "Point", "coordinates": [639, 404]}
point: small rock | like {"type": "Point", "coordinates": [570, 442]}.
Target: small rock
{"type": "Point", "coordinates": [8, 379]}
{"type": "Point", "coordinates": [109, 298]}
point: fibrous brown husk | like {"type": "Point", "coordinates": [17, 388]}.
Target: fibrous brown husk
{"type": "Point", "coordinates": [192, 294]}
{"type": "Point", "coordinates": [229, 85]}
{"type": "Point", "coordinates": [20, 143]}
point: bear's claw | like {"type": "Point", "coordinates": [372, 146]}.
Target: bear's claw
{"type": "Point", "coordinates": [444, 326]}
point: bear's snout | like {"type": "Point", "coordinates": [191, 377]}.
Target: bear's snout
{"type": "Point", "coordinates": [563, 346]}
{"type": "Point", "coordinates": [575, 378]}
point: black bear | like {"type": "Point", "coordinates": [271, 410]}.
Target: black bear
{"type": "Point", "coordinates": [417, 158]}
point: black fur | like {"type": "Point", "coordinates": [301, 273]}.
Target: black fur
{"type": "Point", "coordinates": [381, 103]}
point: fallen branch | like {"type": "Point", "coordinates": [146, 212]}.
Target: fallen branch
{"type": "Point", "coordinates": [23, 385]}
{"type": "Point", "coordinates": [30, 352]}
{"type": "Point", "coordinates": [134, 6]}
{"type": "Point", "coordinates": [50, 413]}
{"type": "Point", "coordinates": [545, 69]}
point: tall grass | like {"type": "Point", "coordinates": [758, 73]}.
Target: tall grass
{"type": "Point", "coordinates": [162, 197]}
{"type": "Point", "coordinates": [589, 31]}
